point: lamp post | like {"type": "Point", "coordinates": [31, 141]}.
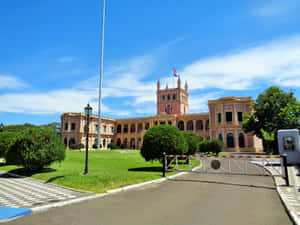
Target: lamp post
{"type": "Point", "coordinates": [88, 111]}
{"type": "Point", "coordinates": [1, 127]}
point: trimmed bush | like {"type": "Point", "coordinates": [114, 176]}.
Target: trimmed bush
{"type": "Point", "coordinates": [122, 146]}
{"type": "Point", "coordinates": [192, 141]}
{"type": "Point", "coordinates": [162, 138]}
{"type": "Point", "coordinates": [6, 139]}
{"type": "Point", "coordinates": [35, 148]}
{"type": "Point", "coordinates": [112, 146]}
{"type": "Point", "coordinates": [214, 146]}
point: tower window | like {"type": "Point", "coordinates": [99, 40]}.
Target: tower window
{"type": "Point", "coordinates": [169, 97]}
{"type": "Point", "coordinates": [163, 97]}
{"type": "Point", "coordinates": [174, 96]}
{"type": "Point", "coordinates": [73, 126]}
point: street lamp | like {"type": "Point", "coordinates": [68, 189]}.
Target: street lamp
{"type": "Point", "coordinates": [1, 127]}
{"type": "Point", "coordinates": [88, 111]}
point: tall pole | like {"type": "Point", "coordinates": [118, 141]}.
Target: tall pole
{"type": "Point", "coordinates": [100, 83]}
{"type": "Point", "coordinates": [87, 144]}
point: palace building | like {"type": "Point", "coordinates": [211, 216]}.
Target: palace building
{"type": "Point", "coordinates": [223, 122]}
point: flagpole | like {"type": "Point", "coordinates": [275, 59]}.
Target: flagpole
{"type": "Point", "coordinates": [100, 83]}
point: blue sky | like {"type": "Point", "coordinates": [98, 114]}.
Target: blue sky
{"type": "Point", "coordinates": [50, 53]}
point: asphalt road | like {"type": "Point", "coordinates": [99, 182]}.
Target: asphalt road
{"type": "Point", "coordinates": [189, 199]}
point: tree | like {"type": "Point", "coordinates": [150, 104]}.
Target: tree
{"type": "Point", "coordinates": [214, 146]}
{"type": "Point", "coordinates": [192, 141]}
{"type": "Point", "coordinates": [35, 148]}
{"type": "Point", "coordinates": [6, 140]}
{"type": "Point", "coordinates": [163, 138]}
{"type": "Point", "coordinates": [273, 110]}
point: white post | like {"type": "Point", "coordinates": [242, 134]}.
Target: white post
{"type": "Point", "coordinates": [100, 83]}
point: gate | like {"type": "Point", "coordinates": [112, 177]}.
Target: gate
{"type": "Point", "coordinates": [231, 164]}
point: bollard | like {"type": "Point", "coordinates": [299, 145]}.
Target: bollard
{"type": "Point", "coordinates": [164, 164]}
{"type": "Point", "coordinates": [286, 175]}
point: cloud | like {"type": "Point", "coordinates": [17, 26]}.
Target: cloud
{"type": "Point", "coordinates": [67, 59]}
{"type": "Point", "coordinates": [272, 8]}
{"type": "Point", "coordinates": [198, 103]}
{"type": "Point", "coordinates": [11, 82]}
{"type": "Point", "coordinates": [275, 62]}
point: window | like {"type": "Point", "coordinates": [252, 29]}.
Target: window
{"type": "Point", "coordinates": [96, 127]}
{"type": "Point", "coordinates": [162, 122]}
{"type": "Point", "coordinates": [119, 128]}
{"type": "Point", "coordinates": [169, 97]}
{"type": "Point", "coordinates": [125, 129]}
{"type": "Point", "coordinates": [170, 122]}
{"type": "Point", "coordinates": [241, 140]}
{"type": "Point", "coordinates": [174, 96]}
{"type": "Point", "coordinates": [147, 126]}
{"type": "Point", "coordinates": [111, 129]}
{"type": "Point", "coordinates": [229, 116]}
{"type": "Point", "coordinates": [163, 97]}
{"type": "Point", "coordinates": [180, 125]}
{"type": "Point", "coordinates": [219, 117]}
{"type": "Point", "coordinates": [230, 140]}
{"type": "Point", "coordinates": [240, 116]}
{"type": "Point", "coordinates": [66, 142]}
{"type": "Point", "coordinates": [104, 143]}
{"type": "Point", "coordinates": [73, 126]}
{"type": "Point", "coordinates": [66, 126]}
{"type": "Point", "coordinates": [104, 128]}
{"type": "Point", "coordinates": [155, 123]}
{"type": "Point", "coordinates": [289, 143]}
{"type": "Point", "coordinates": [220, 137]}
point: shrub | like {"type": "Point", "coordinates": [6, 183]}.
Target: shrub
{"type": "Point", "coordinates": [112, 146]}
{"type": "Point", "coordinates": [214, 146]}
{"type": "Point", "coordinates": [123, 146]}
{"type": "Point", "coordinates": [80, 146]}
{"type": "Point", "coordinates": [95, 146]}
{"type": "Point", "coordinates": [73, 146]}
{"type": "Point", "coordinates": [162, 138]}
{"type": "Point", "coordinates": [35, 148]}
{"type": "Point", "coordinates": [192, 141]}
{"type": "Point", "coordinates": [6, 139]}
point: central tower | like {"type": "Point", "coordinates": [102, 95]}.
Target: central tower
{"type": "Point", "coordinates": [173, 101]}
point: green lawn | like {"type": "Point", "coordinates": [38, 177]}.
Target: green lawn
{"type": "Point", "coordinates": [107, 170]}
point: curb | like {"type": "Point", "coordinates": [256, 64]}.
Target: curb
{"type": "Point", "coordinates": [85, 198]}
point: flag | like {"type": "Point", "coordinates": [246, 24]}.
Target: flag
{"type": "Point", "coordinates": [175, 73]}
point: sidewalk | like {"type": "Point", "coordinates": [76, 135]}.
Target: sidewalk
{"type": "Point", "coordinates": [290, 195]}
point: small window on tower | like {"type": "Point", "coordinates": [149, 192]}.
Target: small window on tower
{"type": "Point", "coordinates": [163, 97]}
{"type": "Point", "coordinates": [169, 97]}
{"type": "Point", "coordinates": [174, 96]}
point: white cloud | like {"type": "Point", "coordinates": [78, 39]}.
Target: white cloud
{"type": "Point", "coordinates": [272, 8]}
{"type": "Point", "coordinates": [11, 82]}
{"type": "Point", "coordinates": [274, 62]}
{"type": "Point", "coordinates": [198, 103]}
{"type": "Point", "coordinates": [67, 59]}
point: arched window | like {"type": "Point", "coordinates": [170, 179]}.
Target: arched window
{"type": "Point", "coordinates": [72, 142]}
{"type": "Point", "coordinates": [125, 143]}
{"type": "Point", "coordinates": [104, 143]}
{"type": "Point", "coordinates": [207, 125]}
{"type": "Point", "coordinates": [119, 128]}
{"type": "Point", "coordinates": [180, 125]}
{"type": "Point", "coordinates": [190, 125]}
{"type": "Point", "coordinates": [132, 143]}
{"type": "Point", "coordinates": [163, 97]}
{"type": "Point", "coordinates": [220, 137]}
{"type": "Point", "coordinates": [241, 140]}
{"type": "Point", "coordinates": [199, 125]}
{"type": "Point", "coordinates": [66, 142]}
{"type": "Point", "coordinates": [230, 140]}
{"type": "Point", "coordinates": [132, 128]}
{"type": "Point", "coordinates": [174, 96]}
{"type": "Point", "coordinates": [119, 142]}
{"type": "Point", "coordinates": [169, 97]}
{"type": "Point", "coordinates": [147, 126]}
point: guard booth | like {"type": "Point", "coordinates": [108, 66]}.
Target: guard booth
{"type": "Point", "coordinates": [289, 144]}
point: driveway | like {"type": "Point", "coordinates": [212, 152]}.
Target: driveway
{"type": "Point", "coordinates": [189, 199]}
